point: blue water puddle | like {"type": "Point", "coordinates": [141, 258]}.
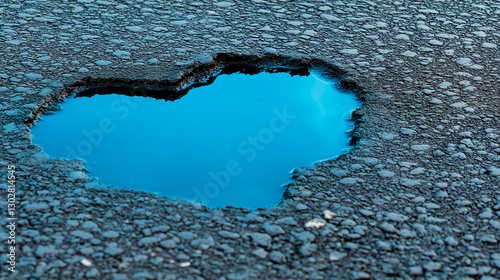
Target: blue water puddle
{"type": "Point", "coordinates": [233, 142]}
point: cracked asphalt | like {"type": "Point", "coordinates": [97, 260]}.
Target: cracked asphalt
{"type": "Point", "coordinates": [417, 198]}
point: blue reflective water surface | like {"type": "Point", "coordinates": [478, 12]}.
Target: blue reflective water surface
{"type": "Point", "coordinates": [233, 142]}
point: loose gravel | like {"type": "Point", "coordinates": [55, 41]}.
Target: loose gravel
{"type": "Point", "coordinates": [417, 198]}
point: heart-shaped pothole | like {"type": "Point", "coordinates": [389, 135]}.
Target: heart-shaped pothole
{"type": "Point", "coordinates": [232, 142]}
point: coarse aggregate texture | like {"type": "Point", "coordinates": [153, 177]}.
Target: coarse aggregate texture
{"type": "Point", "coordinates": [417, 198]}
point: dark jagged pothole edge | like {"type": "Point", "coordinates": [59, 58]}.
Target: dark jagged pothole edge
{"type": "Point", "coordinates": [200, 74]}
{"type": "Point", "coordinates": [169, 94]}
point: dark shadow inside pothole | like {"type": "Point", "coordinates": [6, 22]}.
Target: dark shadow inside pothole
{"type": "Point", "coordinates": [231, 141]}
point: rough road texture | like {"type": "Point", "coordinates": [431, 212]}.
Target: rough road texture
{"type": "Point", "coordinates": [418, 197]}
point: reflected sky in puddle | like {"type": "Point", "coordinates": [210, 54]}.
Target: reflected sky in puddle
{"type": "Point", "coordinates": [233, 142]}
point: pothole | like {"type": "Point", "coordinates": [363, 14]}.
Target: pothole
{"type": "Point", "coordinates": [231, 141]}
